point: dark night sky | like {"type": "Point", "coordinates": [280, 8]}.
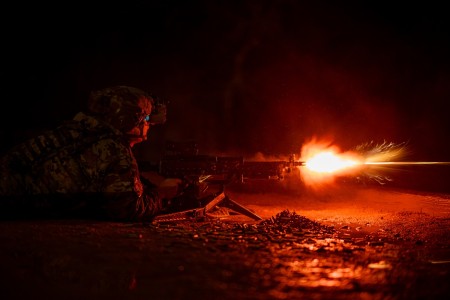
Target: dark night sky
{"type": "Point", "coordinates": [240, 76]}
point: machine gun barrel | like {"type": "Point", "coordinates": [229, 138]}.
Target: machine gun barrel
{"type": "Point", "coordinates": [268, 169]}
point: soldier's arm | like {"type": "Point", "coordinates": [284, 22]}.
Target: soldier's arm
{"type": "Point", "coordinates": [125, 197]}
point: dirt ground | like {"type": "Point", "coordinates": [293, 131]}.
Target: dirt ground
{"type": "Point", "coordinates": [344, 242]}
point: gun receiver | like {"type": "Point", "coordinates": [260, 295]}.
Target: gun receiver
{"type": "Point", "coordinates": [183, 161]}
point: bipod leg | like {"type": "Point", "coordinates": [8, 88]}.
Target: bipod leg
{"type": "Point", "coordinates": [223, 200]}
{"type": "Point", "coordinates": [185, 215]}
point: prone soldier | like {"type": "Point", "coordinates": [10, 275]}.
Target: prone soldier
{"type": "Point", "coordinates": [85, 166]}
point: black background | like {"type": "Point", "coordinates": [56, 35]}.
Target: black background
{"type": "Point", "coordinates": [240, 76]}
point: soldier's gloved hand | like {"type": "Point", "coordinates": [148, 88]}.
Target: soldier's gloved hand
{"type": "Point", "coordinates": [170, 188]}
{"type": "Point", "coordinates": [185, 198]}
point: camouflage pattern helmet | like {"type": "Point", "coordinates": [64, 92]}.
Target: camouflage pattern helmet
{"type": "Point", "coordinates": [123, 107]}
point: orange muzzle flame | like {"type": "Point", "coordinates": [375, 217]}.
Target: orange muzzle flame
{"type": "Point", "coordinates": [329, 162]}
{"type": "Point", "coordinates": [323, 162]}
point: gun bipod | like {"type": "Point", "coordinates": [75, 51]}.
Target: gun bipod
{"type": "Point", "coordinates": [201, 213]}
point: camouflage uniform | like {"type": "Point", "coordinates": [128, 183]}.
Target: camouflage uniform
{"type": "Point", "coordinates": [85, 167]}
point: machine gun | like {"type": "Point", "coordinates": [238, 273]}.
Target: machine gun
{"type": "Point", "coordinates": [207, 176]}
